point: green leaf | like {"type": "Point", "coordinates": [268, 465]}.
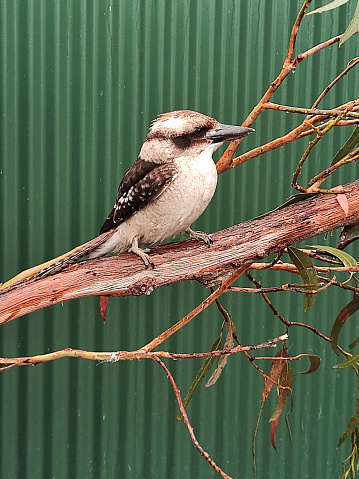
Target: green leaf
{"type": "Point", "coordinates": [328, 6]}
{"type": "Point", "coordinates": [295, 199]}
{"type": "Point", "coordinates": [206, 366]}
{"type": "Point", "coordinates": [307, 271]}
{"type": "Point", "coordinates": [345, 258]}
{"type": "Point", "coordinates": [352, 361]}
{"type": "Point", "coordinates": [349, 145]}
{"type": "Point", "coordinates": [222, 361]}
{"type": "Point", "coordinates": [344, 314]}
{"type": "Point", "coordinates": [352, 425]}
{"type": "Point", "coordinates": [314, 364]}
{"type": "Point", "coordinates": [352, 27]}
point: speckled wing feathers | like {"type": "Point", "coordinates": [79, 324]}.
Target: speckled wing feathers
{"type": "Point", "coordinates": [143, 182]}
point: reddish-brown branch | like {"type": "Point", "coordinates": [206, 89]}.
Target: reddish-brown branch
{"type": "Point", "coordinates": [227, 161]}
{"type": "Point", "coordinates": [302, 130]}
{"type": "Point", "coordinates": [236, 247]}
{"type": "Point", "coordinates": [186, 420]}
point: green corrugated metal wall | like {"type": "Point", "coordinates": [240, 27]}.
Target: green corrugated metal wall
{"type": "Point", "coordinates": [80, 82]}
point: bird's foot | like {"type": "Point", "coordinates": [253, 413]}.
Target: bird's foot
{"type": "Point", "coordinates": [142, 253]}
{"type": "Point", "coordinates": [199, 235]}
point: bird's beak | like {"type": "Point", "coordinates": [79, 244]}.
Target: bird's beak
{"type": "Point", "coordinates": [228, 133]}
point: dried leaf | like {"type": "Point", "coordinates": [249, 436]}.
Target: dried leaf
{"type": "Point", "coordinates": [222, 361]}
{"type": "Point", "coordinates": [103, 306]}
{"type": "Point", "coordinates": [345, 258]}
{"type": "Point", "coordinates": [307, 271]}
{"type": "Point", "coordinates": [314, 364]}
{"type": "Point", "coordinates": [273, 432]}
{"type": "Point", "coordinates": [206, 366]}
{"type": "Point", "coordinates": [274, 373]}
{"type": "Point", "coordinates": [344, 314]}
{"type": "Point", "coordinates": [343, 202]}
{"type": "Point", "coordinates": [285, 380]}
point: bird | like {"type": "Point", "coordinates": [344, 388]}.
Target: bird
{"type": "Point", "coordinates": [164, 191]}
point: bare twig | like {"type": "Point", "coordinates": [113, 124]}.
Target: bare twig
{"type": "Point", "coordinates": [114, 356]}
{"type": "Point", "coordinates": [313, 111]}
{"type": "Point", "coordinates": [186, 420]}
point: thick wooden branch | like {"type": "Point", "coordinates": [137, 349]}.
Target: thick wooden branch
{"type": "Point", "coordinates": [245, 243]}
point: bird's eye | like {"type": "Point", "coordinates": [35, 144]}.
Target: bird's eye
{"type": "Point", "coordinates": [199, 131]}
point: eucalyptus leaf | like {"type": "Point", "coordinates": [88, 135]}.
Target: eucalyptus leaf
{"type": "Point", "coordinates": [352, 27]}
{"type": "Point", "coordinates": [352, 425]}
{"type": "Point", "coordinates": [206, 366]}
{"type": "Point", "coordinates": [349, 362]}
{"type": "Point", "coordinates": [343, 257]}
{"type": "Point", "coordinates": [314, 364]}
{"type": "Point", "coordinates": [344, 314]}
{"type": "Point", "coordinates": [295, 199]}
{"type": "Point", "coordinates": [329, 6]}
{"type": "Point", "coordinates": [307, 271]}
{"type": "Point", "coordinates": [348, 146]}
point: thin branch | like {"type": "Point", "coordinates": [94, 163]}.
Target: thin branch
{"type": "Point", "coordinates": [203, 305]}
{"type": "Point", "coordinates": [114, 356]}
{"type": "Point", "coordinates": [186, 420]}
{"type": "Point", "coordinates": [351, 64]}
{"type": "Point", "coordinates": [312, 111]}
{"type": "Point", "coordinates": [227, 161]}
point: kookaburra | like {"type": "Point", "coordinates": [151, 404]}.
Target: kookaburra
{"type": "Point", "coordinates": [164, 191]}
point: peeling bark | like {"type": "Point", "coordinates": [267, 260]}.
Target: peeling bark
{"type": "Point", "coordinates": [245, 243]}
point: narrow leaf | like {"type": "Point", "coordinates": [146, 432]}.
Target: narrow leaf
{"type": "Point", "coordinates": [307, 271]}
{"type": "Point", "coordinates": [286, 378]}
{"type": "Point", "coordinates": [296, 199]}
{"type": "Point", "coordinates": [103, 306]}
{"type": "Point", "coordinates": [345, 258]}
{"type": "Point", "coordinates": [343, 202]}
{"type": "Point", "coordinates": [352, 27]}
{"type": "Point", "coordinates": [314, 364]}
{"type": "Point", "coordinates": [328, 6]}
{"type": "Point", "coordinates": [274, 373]}
{"type": "Point", "coordinates": [349, 145]}
{"type": "Point", "coordinates": [254, 440]}
{"type": "Point", "coordinates": [206, 366]}
{"type": "Point", "coordinates": [273, 432]}
{"type": "Point", "coordinates": [349, 362]}
{"type": "Point", "coordinates": [222, 361]}
{"type": "Point", "coordinates": [344, 314]}
{"type": "Point", "coordinates": [352, 425]}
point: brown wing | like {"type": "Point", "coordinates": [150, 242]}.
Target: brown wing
{"type": "Point", "coordinates": [143, 182]}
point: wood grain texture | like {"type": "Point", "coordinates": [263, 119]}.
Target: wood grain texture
{"type": "Point", "coordinates": [242, 244]}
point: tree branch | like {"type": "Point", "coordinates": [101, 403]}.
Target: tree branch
{"type": "Point", "coordinates": [239, 245]}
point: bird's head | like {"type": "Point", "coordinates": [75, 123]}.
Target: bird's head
{"type": "Point", "coordinates": [184, 133]}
